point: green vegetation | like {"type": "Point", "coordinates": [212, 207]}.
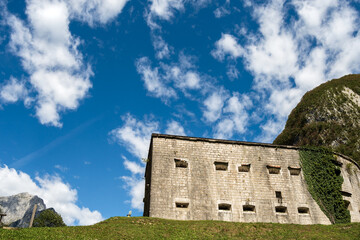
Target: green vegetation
{"type": "Point", "coordinates": [324, 182]}
{"type": "Point", "coordinates": [153, 228]}
{"type": "Point", "coordinates": [326, 116]}
{"type": "Point", "coordinates": [48, 218]}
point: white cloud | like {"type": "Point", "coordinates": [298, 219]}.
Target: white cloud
{"type": "Point", "coordinates": [136, 188]}
{"type": "Point", "coordinates": [223, 10]}
{"type": "Point", "coordinates": [52, 190]}
{"type": "Point", "coordinates": [232, 72]}
{"type": "Point", "coordinates": [289, 57]}
{"type": "Point", "coordinates": [175, 128]}
{"type": "Point", "coordinates": [135, 135]}
{"type": "Point", "coordinates": [162, 81]}
{"type": "Point", "coordinates": [227, 45]}
{"type": "Point", "coordinates": [49, 52]}
{"type": "Point", "coordinates": [133, 167]}
{"type": "Point", "coordinates": [92, 11]}
{"type": "Point", "coordinates": [235, 116]}
{"type": "Point", "coordinates": [161, 47]}
{"type": "Point", "coordinates": [213, 106]}
{"type": "Point", "coordinates": [164, 9]}
{"type": "Point", "coordinates": [154, 83]}
{"type": "Point", "coordinates": [12, 91]}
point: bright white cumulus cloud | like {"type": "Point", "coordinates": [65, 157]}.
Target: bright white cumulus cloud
{"type": "Point", "coordinates": [227, 45]}
{"type": "Point", "coordinates": [135, 135]}
{"type": "Point", "coordinates": [52, 190]}
{"type": "Point", "coordinates": [96, 11]}
{"type": "Point", "coordinates": [283, 58]}
{"type": "Point", "coordinates": [12, 91]}
{"type": "Point", "coordinates": [58, 76]}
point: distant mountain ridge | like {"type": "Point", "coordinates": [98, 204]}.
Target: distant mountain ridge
{"type": "Point", "coordinates": [328, 115]}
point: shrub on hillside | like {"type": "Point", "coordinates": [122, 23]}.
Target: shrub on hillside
{"type": "Point", "coordinates": [48, 218]}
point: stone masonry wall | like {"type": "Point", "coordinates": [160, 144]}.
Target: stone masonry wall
{"type": "Point", "coordinates": [200, 192]}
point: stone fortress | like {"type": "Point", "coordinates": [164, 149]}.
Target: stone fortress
{"type": "Point", "coordinates": [189, 178]}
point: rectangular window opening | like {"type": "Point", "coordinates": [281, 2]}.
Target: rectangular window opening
{"type": "Point", "coordinates": [303, 210]}
{"type": "Point", "coordinates": [273, 169]}
{"type": "Point", "coordinates": [182, 205]}
{"type": "Point", "coordinates": [221, 166]}
{"type": "Point", "coordinates": [248, 208]}
{"type": "Point", "coordinates": [180, 163]}
{"type": "Point", "coordinates": [278, 196]}
{"type": "Point", "coordinates": [224, 206]}
{"type": "Point", "coordinates": [244, 168]}
{"type": "Point", "coordinates": [280, 209]}
{"type": "Point", "coordinates": [294, 170]}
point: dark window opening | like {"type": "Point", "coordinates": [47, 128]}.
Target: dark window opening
{"type": "Point", "coordinates": [221, 166]}
{"type": "Point", "coordinates": [181, 163]}
{"type": "Point", "coordinates": [273, 169]}
{"type": "Point", "coordinates": [182, 205]}
{"type": "Point", "coordinates": [225, 206]}
{"type": "Point", "coordinates": [278, 196]}
{"type": "Point", "coordinates": [244, 168]}
{"type": "Point", "coordinates": [303, 210]}
{"type": "Point", "coordinates": [248, 208]}
{"type": "Point", "coordinates": [294, 170]}
{"type": "Point", "coordinates": [345, 194]}
{"type": "Point", "coordinates": [280, 209]}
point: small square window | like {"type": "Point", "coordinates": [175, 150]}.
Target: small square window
{"type": "Point", "coordinates": [278, 194]}
{"type": "Point", "coordinates": [224, 206]}
{"type": "Point", "coordinates": [280, 209]}
{"type": "Point", "coordinates": [182, 205]}
{"type": "Point", "coordinates": [221, 166]}
{"type": "Point", "coordinates": [180, 163]}
{"type": "Point", "coordinates": [273, 169]}
{"type": "Point", "coordinates": [294, 170]}
{"type": "Point", "coordinates": [303, 210]}
{"type": "Point", "coordinates": [248, 208]}
{"type": "Point", "coordinates": [244, 168]}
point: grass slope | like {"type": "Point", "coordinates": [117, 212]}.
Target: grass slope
{"type": "Point", "coordinates": [154, 228]}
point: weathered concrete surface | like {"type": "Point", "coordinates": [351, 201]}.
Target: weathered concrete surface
{"type": "Point", "coordinates": [197, 191]}
{"type": "Point", "coordinates": [19, 207]}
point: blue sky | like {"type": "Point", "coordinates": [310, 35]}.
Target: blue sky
{"type": "Point", "coordinates": [84, 83]}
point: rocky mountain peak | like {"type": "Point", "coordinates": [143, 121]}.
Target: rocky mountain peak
{"type": "Point", "coordinates": [328, 115]}
{"type": "Point", "coordinates": [18, 208]}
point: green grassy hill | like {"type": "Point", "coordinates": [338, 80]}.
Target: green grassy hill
{"type": "Point", "coordinates": [154, 228]}
{"type": "Point", "coordinates": [328, 115]}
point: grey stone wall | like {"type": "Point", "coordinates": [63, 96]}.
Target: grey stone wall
{"type": "Point", "coordinates": [201, 192]}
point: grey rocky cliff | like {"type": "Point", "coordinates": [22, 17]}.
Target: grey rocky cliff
{"type": "Point", "coordinates": [18, 209]}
